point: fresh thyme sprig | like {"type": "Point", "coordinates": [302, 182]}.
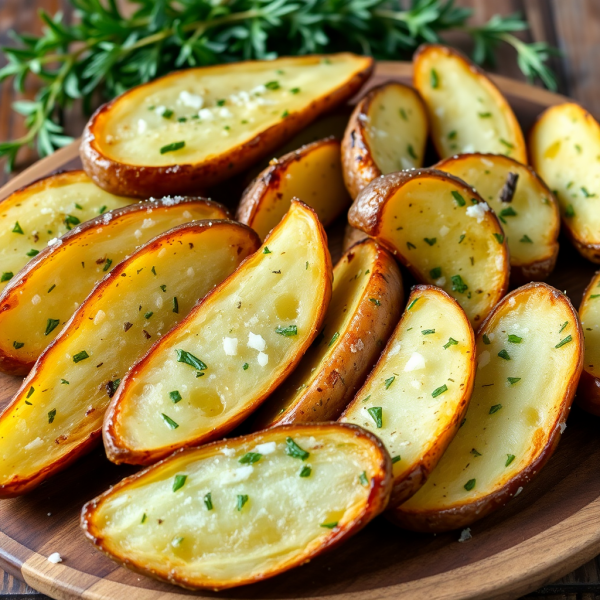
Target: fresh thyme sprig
{"type": "Point", "coordinates": [107, 52]}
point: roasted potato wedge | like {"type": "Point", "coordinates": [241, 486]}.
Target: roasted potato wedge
{"type": "Point", "coordinates": [416, 396]}
{"type": "Point", "coordinates": [387, 132]}
{"type": "Point", "coordinates": [199, 127]}
{"type": "Point", "coordinates": [231, 352]}
{"type": "Point", "coordinates": [365, 307]}
{"type": "Point", "coordinates": [564, 145]}
{"type": "Point", "coordinates": [57, 414]}
{"type": "Point", "coordinates": [42, 297]}
{"type": "Point", "coordinates": [44, 210]}
{"type": "Point", "coordinates": [441, 229]}
{"type": "Point", "coordinates": [312, 173]}
{"type": "Point", "coordinates": [588, 396]}
{"type": "Point", "coordinates": [529, 355]}
{"type": "Point", "coordinates": [241, 510]}
{"type": "Point", "coordinates": [526, 207]}
{"type": "Point", "coordinates": [467, 112]}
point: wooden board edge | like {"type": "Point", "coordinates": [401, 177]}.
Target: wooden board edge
{"type": "Point", "coordinates": [550, 555]}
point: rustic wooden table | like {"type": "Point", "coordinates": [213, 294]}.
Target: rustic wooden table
{"type": "Point", "coordinates": [573, 26]}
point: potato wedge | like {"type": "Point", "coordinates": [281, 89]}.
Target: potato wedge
{"type": "Point", "coordinates": [365, 307]}
{"type": "Point", "coordinates": [199, 127]}
{"type": "Point", "coordinates": [564, 145]}
{"type": "Point", "coordinates": [467, 112]}
{"type": "Point", "coordinates": [526, 207]}
{"type": "Point", "coordinates": [588, 394]}
{"type": "Point", "coordinates": [44, 210]}
{"type": "Point", "coordinates": [387, 132]}
{"type": "Point", "coordinates": [530, 355]}
{"type": "Point", "coordinates": [231, 352]}
{"type": "Point", "coordinates": [312, 173]}
{"type": "Point", "coordinates": [39, 300]}
{"type": "Point", "coordinates": [440, 229]}
{"type": "Point", "coordinates": [415, 398]}
{"type": "Point", "coordinates": [200, 519]}
{"type": "Point", "coordinates": [57, 414]}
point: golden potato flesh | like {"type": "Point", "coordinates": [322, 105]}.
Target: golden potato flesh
{"type": "Point", "coordinates": [231, 352]}
{"type": "Point", "coordinates": [442, 231]}
{"type": "Point", "coordinates": [387, 132]}
{"type": "Point", "coordinates": [57, 414]}
{"type": "Point", "coordinates": [467, 112]}
{"type": "Point", "coordinates": [416, 396]}
{"type": "Point", "coordinates": [365, 307]}
{"type": "Point", "coordinates": [243, 509]}
{"type": "Point", "coordinates": [588, 396]}
{"type": "Point", "coordinates": [526, 207]}
{"type": "Point", "coordinates": [564, 146]}
{"type": "Point", "coordinates": [529, 355]}
{"type": "Point", "coordinates": [312, 174]}
{"type": "Point", "coordinates": [198, 127]}
{"type": "Point", "coordinates": [41, 299]}
{"type": "Point", "coordinates": [45, 210]}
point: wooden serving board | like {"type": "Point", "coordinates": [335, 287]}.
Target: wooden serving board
{"type": "Point", "coordinates": [550, 529]}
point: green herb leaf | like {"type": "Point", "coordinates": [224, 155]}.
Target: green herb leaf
{"type": "Point", "coordinates": [292, 449]}
{"type": "Point", "coordinates": [434, 79]}
{"type": "Point", "coordinates": [396, 459]}
{"type": "Point", "coordinates": [175, 305]}
{"type": "Point", "coordinates": [363, 479]}
{"type": "Point", "coordinates": [375, 301]}
{"type": "Point", "coordinates": [305, 471]}
{"type": "Point", "coordinates": [495, 408]}
{"type": "Point", "coordinates": [514, 339]}
{"type": "Point", "coordinates": [430, 241]}
{"type": "Point", "coordinates": [6, 276]}
{"type": "Point", "coordinates": [428, 331]}
{"type": "Point", "coordinates": [526, 239]}
{"type": "Point", "coordinates": [266, 250]}
{"type": "Point", "coordinates": [435, 273]}
{"type": "Point", "coordinates": [241, 500]}
{"type": "Point", "coordinates": [80, 356]}
{"type": "Point", "coordinates": [376, 413]}
{"type": "Point", "coordinates": [333, 339]}
{"type": "Point", "coordinates": [486, 339]}
{"type": "Point", "coordinates": [451, 342]}
{"type": "Point", "coordinates": [439, 391]}
{"type": "Point", "coordinates": [172, 424]}
{"type": "Point", "coordinates": [18, 345]}
{"type": "Point", "coordinates": [51, 325]}
{"type": "Point", "coordinates": [329, 525]}
{"type": "Point", "coordinates": [569, 211]}
{"type": "Point", "coordinates": [564, 341]}
{"type": "Point", "coordinates": [51, 415]}
{"type": "Point", "coordinates": [107, 264]}
{"type": "Point", "coordinates": [458, 285]}
{"type": "Point", "coordinates": [499, 237]}
{"type": "Point", "coordinates": [504, 354]}
{"type": "Point", "coordinates": [250, 458]}
{"type": "Point", "coordinates": [475, 453]}
{"type": "Point", "coordinates": [470, 485]}
{"type": "Point", "coordinates": [290, 331]}
{"type": "Point", "coordinates": [175, 396]}
{"type": "Point", "coordinates": [189, 359]}
{"type": "Point", "coordinates": [179, 482]}
{"type": "Point", "coordinates": [208, 501]}
{"type": "Point", "coordinates": [172, 147]}
{"type": "Point", "coordinates": [513, 380]}
{"type": "Point", "coordinates": [17, 228]}
{"type": "Point", "coordinates": [459, 199]}
{"type": "Point", "coordinates": [413, 303]}
{"type": "Point", "coordinates": [509, 459]}
{"type": "Point", "coordinates": [33, 252]}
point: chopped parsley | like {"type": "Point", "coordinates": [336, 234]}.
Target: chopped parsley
{"type": "Point", "coordinates": [6, 276]}
{"type": "Point", "coordinates": [526, 240]}
{"type": "Point", "coordinates": [18, 345]}
{"type": "Point", "coordinates": [410, 246]}
{"type": "Point", "coordinates": [389, 381]}
{"type": "Point", "coordinates": [376, 413]}
{"type": "Point", "coordinates": [486, 339]}
{"type": "Point", "coordinates": [80, 356]}
{"type": "Point", "coordinates": [333, 339]}
{"type": "Point", "coordinates": [163, 288]}
{"type": "Point", "coordinates": [470, 485]}
{"type": "Point", "coordinates": [71, 220]}
{"type": "Point", "coordinates": [266, 250]}
{"type": "Point", "coordinates": [513, 380]}
{"type": "Point", "coordinates": [587, 194]}
{"type": "Point", "coordinates": [363, 479]}
{"type": "Point", "coordinates": [435, 273]}
{"type": "Point", "coordinates": [485, 115]}
{"type": "Point", "coordinates": [439, 391]}
{"type": "Point", "coordinates": [434, 79]}
{"type": "Point", "coordinates": [495, 409]}
{"type": "Point", "coordinates": [461, 238]}
{"type": "Point", "coordinates": [107, 264]}
{"type": "Point", "coordinates": [241, 500]}
{"type": "Point", "coordinates": [396, 459]}
{"type": "Point", "coordinates": [505, 143]}
{"type": "Point", "coordinates": [272, 85]}
{"type": "Point", "coordinates": [102, 209]}
{"type": "Point", "coordinates": [403, 114]}
{"type": "Point", "coordinates": [413, 303]}
{"type": "Point", "coordinates": [179, 482]}
{"type": "Point", "coordinates": [175, 396]}
{"type": "Point", "coordinates": [148, 315]}
{"type": "Point", "coordinates": [430, 241]}
{"type": "Point", "coordinates": [563, 326]}
{"type": "Point", "coordinates": [65, 382]}
{"type": "Point", "coordinates": [459, 199]}
{"type": "Point", "coordinates": [292, 449]}
{"type": "Point", "coordinates": [17, 228]}
{"type": "Point", "coordinates": [289, 331]}
{"type": "Point", "coordinates": [499, 237]}
{"type": "Point", "coordinates": [428, 331]}
{"type": "Point", "coordinates": [250, 458]}
{"type": "Point", "coordinates": [33, 252]}
{"type": "Point", "coordinates": [245, 366]}
{"type": "Point", "coordinates": [508, 212]}
{"type": "Point", "coordinates": [189, 359]}
{"type": "Point", "coordinates": [144, 517]}
{"type": "Point", "coordinates": [452, 135]}
{"type": "Point", "coordinates": [504, 354]}
{"type": "Point", "coordinates": [451, 342]}
{"type": "Point", "coordinates": [329, 525]}
{"type": "Point", "coordinates": [475, 453]}
{"type": "Point", "coordinates": [295, 90]}
{"type": "Point", "coordinates": [167, 113]}
{"type": "Point", "coordinates": [458, 285]}
{"type": "Point", "coordinates": [514, 339]}
{"type": "Point", "coordinates": [509, 459]}
{"type": "Point", "coordinates": [175, 305]}
{"type": "Point", "coordinates": [305, 471]}
{"type": "Point", "coordinates": [51, 415]}
{"type": "Point", "coordinates": [375, 301]}
{"type": "Point", "coordinates": [30, 392]}
{"type": "Point", "coordinates": [51, 325]}
{"type": "Point", "coordinates": [569, 211]}
{"type": "Point", "coordinates": [411, 151]}
{"type": "Point", "coordinates": [51, 288]}
{"type": "Point", "coordinates": [172, 147]}
{"type": "Point", "coordinates": [208, 501]}
{"type": "Point", "coordinates": [172, 424]}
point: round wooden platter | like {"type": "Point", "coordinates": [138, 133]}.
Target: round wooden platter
{"type": "Point", "coordinates": [550, 529]}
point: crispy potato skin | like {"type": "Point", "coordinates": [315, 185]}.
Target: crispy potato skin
{"type": "Point", "coordinates": [253, 199]}
{"type": "Point", "coordinates": [366, 212]}
{"type": "Point", "coordinates": [116, 449]}
{"type": "Point", "coordinates": [11, 363]}
{"type": "Point", "coordinates": [359, 166]}
{"type": "Point", "coordinates": [139, 181]}
{"type": "Point", "coordinates": [407, 486]}
{"type": "Point", "coordinates": [18, 487]}
{"type": "Point", "coordinates": [588, 392]}
{"type": "Point", "coordinates": [520, 274]}
{"type": "Point", "coordinates": [465, 514]}
{"type": "Point", "coordinates": [325, 398]}
{"type": "Point", "coordinates": [381, 485]}
{"type": "Point", "coordinates": [589, 251]}
{"type": "Point", "coordinates": [419, 80]}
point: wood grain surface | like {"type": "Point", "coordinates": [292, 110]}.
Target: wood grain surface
{"type": "Point", "coordinates": [574, 26]}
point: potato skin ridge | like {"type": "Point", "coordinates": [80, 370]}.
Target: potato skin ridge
{"type": "Point", "coordinates": [10, 364]}
{"type": "Point", "coordinates": [21, 486]}
{"type": "Point", "coordinates": [139, 180]}
{"type": "Point", "coordinates": [466, 514]}
{"type": "Point", "coordinates": [381, 486]}
{"type": "Point", "coordinates": [119, 454]}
